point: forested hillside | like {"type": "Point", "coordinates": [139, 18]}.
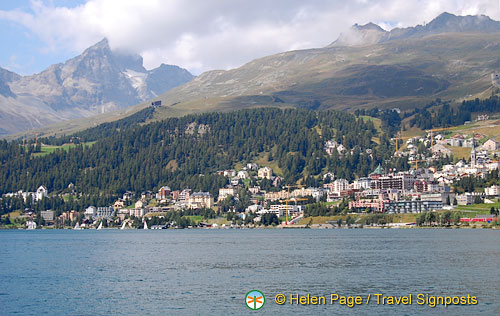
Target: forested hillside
{"type": "Point", "coordinates": [187, 152]}
{"type": "Point", "coordinates": [446, 116]}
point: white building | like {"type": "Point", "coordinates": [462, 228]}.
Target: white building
{"type": "Point", "coordinates": [265, 172]}
{"type": "Point", "coordinates": [105, 212]}
{"type": "Point", "coordinates": [41, 193]}
{"type": "Point", "coordinates": [340, 185]}
{"type": "Point", "coordinates": [494, 165]}
{"type": "Point", "coordinates": [465, 199]}
{"type": "Point", "coordinates": [280, 210]}
{"type": "Point", "coordinates": [494, 190]}
{"type": "Point", "coordinates": [242, 174]}
{"type": "Point", "coordinates": [140, 204]}
{"type": "Point", "coordinates": [316, 193]}
{"type": "Point", "coordinates": [330, 146]}
{"type": "Point", "coordinates": [490, 145]}
{"type": "Point", "coordinates": [90, 212]}
{"type": "Point", "coordinates": [329, 175]}
{"type": "Point", "coordinates": [254, 190]}
{"type": "Point", "coordinates": [253, 208]}
{"type": "Point", "coordinates": [137, 212]}
{"type": "Point", "coordinates": [252, 166]}
{"type": "Point", "coordinates": [229, 173]}
{"type": "Point", "coordinates": [201, 200]}
{"type": "Point", "coordinates": [47, 215]}
{"type": "Point", "coordinates": [184, 195]}
{"type": "Point", "coordinates": [362, 183]}
{"type": "Point", "coordinates": [225, 192]}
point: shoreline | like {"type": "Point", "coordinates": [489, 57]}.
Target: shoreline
{"type": "Point", "coordinates": [316, 226]}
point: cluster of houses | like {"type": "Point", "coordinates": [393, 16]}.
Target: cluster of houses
{"type": "Point", "coordinates": [166, 200]}
{"type": "Point", "coordinates": [425, 189]}
{"type": "Point", "coordinates": [414, 191]}
{"type": "Point", "coordinates": [389, 191]}
{"type": "Point", "coordinates": [40, 193]}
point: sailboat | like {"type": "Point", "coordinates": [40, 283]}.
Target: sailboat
{"type": "Point", "coordinates": [145, 225]}
{"type": "Point", "coordinates": [77, 227]}
{"type": "Point", "coordinates": [100, 226]}
{"type": "Point", "coordinates": [31, 225]}
{"type": "Point", "coordinates": [124, 224]}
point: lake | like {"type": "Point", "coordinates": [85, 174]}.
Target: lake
{"type": "Point", "coordinates": [209, 272]}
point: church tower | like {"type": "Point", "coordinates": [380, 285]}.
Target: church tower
{"type": "Point", "coordinates": [473, 155]}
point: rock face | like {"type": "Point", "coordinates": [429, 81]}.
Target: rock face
{"type": "Point", "coordinates": [367, 34]}
{"type": "Point", "coordinates": [444, 23]}
{"type": "Point", "coordinates": [97, 81]}
{"type": "Point", "coordinates": [7, 77]}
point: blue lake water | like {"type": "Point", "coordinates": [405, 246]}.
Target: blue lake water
{"type": "Point", "coordinates": [208, 272]}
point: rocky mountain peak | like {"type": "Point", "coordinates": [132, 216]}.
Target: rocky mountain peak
{"type": "Point", "coordinates": [447, 23]}
{"type": "Point", "coordinates": [367, 27]}
{"type": "Point", "coordinates": [371, 33]}
{"type": "Point", "coordinates": [99, 80]}
{"type": "Point", "coordinates": [359, 35]}
{"type": "Point", "coordinates": [101, 53]}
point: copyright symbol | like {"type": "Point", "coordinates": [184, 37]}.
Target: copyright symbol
{"type": "Point", "coordinates": [280, 299]}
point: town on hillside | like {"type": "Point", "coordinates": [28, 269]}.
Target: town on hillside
{"type": "Point", "coordinates": [255, 196]}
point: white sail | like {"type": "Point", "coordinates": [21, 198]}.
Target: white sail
{"type": "Point", "coordinates": [145, 225]}
{"type": "Point", "coordinates": [100, 226]}
{"type": "Point", "coordinates": [31, 225]}
{"type": "Point", "coordinates": [123, 226]}
{"type": "Point", "coordinates": [77, 226]}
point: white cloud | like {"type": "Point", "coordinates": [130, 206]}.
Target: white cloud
{"type": "Point", "coordinates": [220, 34]}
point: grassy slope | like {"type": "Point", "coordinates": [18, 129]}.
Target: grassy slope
{"type": "Point", "coordinates": [478, 208]}
{"type": "Point", "coordinates": [47, 149]}
{"type": "Point", "coordinates": [340, 77]}
{"type": "Point", "coordinates": [263, 161]}
{"type": "Point", "coordinates": [465, 211]}
{"type": "Point", "coordinates": [397, 218]}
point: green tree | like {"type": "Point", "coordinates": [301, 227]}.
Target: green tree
{"type": "Point", "coordinates": [349, 220]}
{"type": "Point", "coordinates": [478, 200]}
{"type": "Point", "coordinates": [430, 217]}
{"type": "Point", "coordinates": [269, 219]}
{"type": "Point", "coordinates": [420, 220]}
{"type": "Point", "coordinates": [446, 218]}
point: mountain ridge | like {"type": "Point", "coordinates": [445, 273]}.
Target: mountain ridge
{"type": "Point", "coordinates": [97, 81]}
{"type": "Point", "coordinates": [400, 73]}
{"type": "Point", "coordinates": [371, 33]}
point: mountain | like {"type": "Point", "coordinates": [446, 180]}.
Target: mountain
{"type": "Point", "coordinates": [7, 77]}
{"type": "Point", "coordinates": [97, 81]}
{"type": "Point", "coordinates": [444, 23]}
{"type": "Point", "coordinates": [367, 34]}
{"type": "Point", "coordinates": [452, 58]}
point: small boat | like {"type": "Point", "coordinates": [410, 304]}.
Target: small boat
{"type": "Point", "coordinates": [31, 225]}
{"type": "Point", "coordinates": [124, 224]}
{"type": "Point", "coordinates": [100, 226]}
{"type": "Point", "coordinates": [145, 225]}
{"type": "Point", "coordinates": [77, 227]}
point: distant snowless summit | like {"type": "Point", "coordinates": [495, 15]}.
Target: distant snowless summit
{"type": "Point", "coordinates": [371, 33]}
{"type": "Point", "coordinates": [97, 81]}
{"type": "Point", "coordinates": [451, 57]}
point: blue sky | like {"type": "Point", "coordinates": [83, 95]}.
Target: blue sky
{"type": "Point", "coordinates": [22, 50]}
{"type": "Point", "coordinates": [198, 35]}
